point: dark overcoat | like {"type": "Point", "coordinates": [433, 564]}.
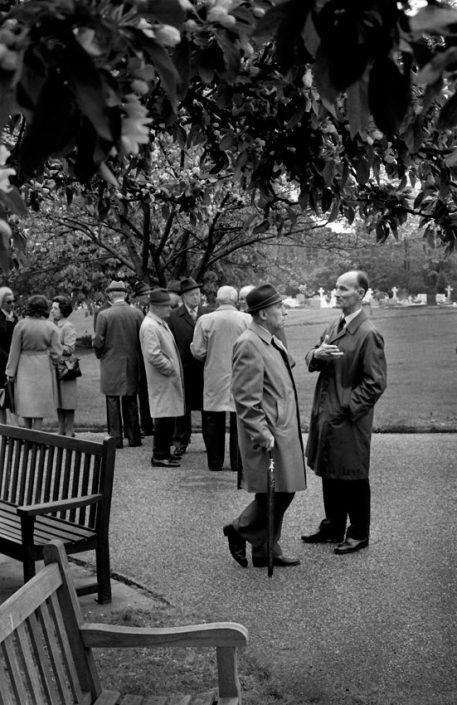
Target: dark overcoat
{"type": "Point", "coordinates": [117, 345]}
{"type": "Point", "coordinates": [182, 326]}
{"type": "Point", "coordinates": [266, 405]}
{"type": "Point", "coordinates": [347, 389]}
{"type": "Point", "coordinates": [6, 334]}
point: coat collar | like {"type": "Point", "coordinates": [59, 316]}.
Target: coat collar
{"type": "Point", "coordinates": [157, 319]}
{"type": "Point", "coordinates": [262, 332]}
{"type": "Point", "coordinates": [351, 327]}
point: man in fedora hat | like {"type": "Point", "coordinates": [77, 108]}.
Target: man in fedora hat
{"type": "Point", "coordinates": [164, 376]}
{"type": "Point", "coordinates": [182, 323]}
{"type": "Point", "coordinates": [268, 421]}
{"type": "Point", "coordinates": [116, 344]}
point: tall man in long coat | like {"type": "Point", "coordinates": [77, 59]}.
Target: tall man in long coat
{"type": "Point", "coordinates": [350, 359]}
{"type": "Point", "coordinates": [117, 346]}
{"type": "Point", "coordinates": [182, 323]}
{"type": "Point", "coordinates": [266, 404]}
{"type": "Point", "coordinates": [214, 336]}
{"type": "Point", "coordinates": [164, 376]}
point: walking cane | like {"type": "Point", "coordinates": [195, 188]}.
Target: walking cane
{"type": "Point", "coordinates": [271, 509]}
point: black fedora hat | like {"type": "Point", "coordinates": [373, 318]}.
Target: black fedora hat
{"type": "Point", "coordinates": [261, 297]}
{"type": "Point", "coordinates": [188, 284]}
{"type": "Point", "coordinates": [159, 296]}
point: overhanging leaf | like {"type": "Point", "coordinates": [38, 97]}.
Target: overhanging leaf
{"type": "Point", "coordinates": [87, 85]}
{"type": "Point", "coordinates": [388, 95]}
{"type": "Point", "coordinates": [357, 108]}
{"type": "Point", "coordinates": [166, 69]}
{"type": "Point", "coordinates": [164, 11]}
{"type": "Point", "coordinates": [448, 114]}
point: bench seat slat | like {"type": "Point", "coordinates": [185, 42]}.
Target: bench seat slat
{"type": "Point", "coordinates": [131, 700]}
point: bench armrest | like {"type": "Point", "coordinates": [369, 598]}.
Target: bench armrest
{"type": "Point", "coordinates": [30, 510]}
{"type": "Point", "coordinates": [215, 634]}
{"type": "Point", "coordinates": [225, 636]}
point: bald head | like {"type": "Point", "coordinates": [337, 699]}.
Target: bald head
{"type": "Point", "coordinates": [351, 287]}
{"type": "Point", "coordinates": [227, 295]}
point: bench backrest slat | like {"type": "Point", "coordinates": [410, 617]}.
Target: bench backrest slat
{"type": "Point", "coordinates": [41, 467]}
{"type": "Point", "coordinates": [76, 481]}
{"type": "Point", "coordinates": [42, 658]}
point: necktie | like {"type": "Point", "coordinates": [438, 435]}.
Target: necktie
{"type": "Point", "coordinates": [193, 313]}
{"type": "Point", "coordinates": [341, 324]}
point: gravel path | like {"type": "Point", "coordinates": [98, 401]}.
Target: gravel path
{"type": "Point", "coordinates": [374, 628]}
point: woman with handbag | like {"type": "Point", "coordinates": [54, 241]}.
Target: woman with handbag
{"type": "Point", "coordinates": [35, 349]}
{"type": "Point", "coordinates": [66, 389]}
{"type": "Point", "coordinates": [8, 320]}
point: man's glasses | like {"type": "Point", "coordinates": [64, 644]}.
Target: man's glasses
{"type": "Point", "coordinates": [10, 301]}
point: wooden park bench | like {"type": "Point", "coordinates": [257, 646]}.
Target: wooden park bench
{"type": "Point", "coordinates": [46, 649]}
{"type": "Point", "coordinates": [55, 487]}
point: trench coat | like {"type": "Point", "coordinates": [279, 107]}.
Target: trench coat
{"type": "Point", "coordinates": [347, 389]}
{"type": "Point", "coordinates": [35, 349]}
{"type": "Point", "coordinates": [214, 336]}
{"type": "Point", "coordinates": [117, 346]}
{"type": "Point", "coordinates": [163, 368]}
{"type": "Point", "coordinates": [266, 405]}
{"type": "Point", "coordinates": [182, 326]}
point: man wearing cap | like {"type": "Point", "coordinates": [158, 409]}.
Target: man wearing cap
{"type": "Point", "coordinates": [352, 365]}
{"type": "Point", "coordinates": [164, 376]}
{"type": "Point", "coordinates": [268, 421]}
{"type": "Point", "coordinates": [182, 323]}
{"type": "Point", "coordinates": [174, 289]}
{"type": "Point", "coordinates": [116, 345]}
{"type": "Point", "coordinates": [141, 292]}
{"type": "Point", "coordinates": [214, 336]}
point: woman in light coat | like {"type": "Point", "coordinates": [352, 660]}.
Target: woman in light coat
{"type": "Point", "coordinates": [35, 349]}
{"type": "Point", "coordinates": [66, 390]}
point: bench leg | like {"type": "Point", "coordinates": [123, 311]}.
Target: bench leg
{"type": "Point", "coordinates": [103, 573]}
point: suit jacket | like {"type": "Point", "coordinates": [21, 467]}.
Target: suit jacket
{"type": "Point", "coordinates": [117, 346]}
{"type": "Point", "coordinates": [266, 405]}
{"type": "Point", "coordinates": [182, 326]}
{"type": "Point", "coordinates": [347, 389]}
{"type": "Point", "coordinates": [163, 368]}
{"type": "Point", "coordinates": [214, 336]}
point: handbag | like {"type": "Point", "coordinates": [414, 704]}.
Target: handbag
{"type": "Point", "coordinates": [7, 396]}
{"type": "Point", "coordinates": [68, 368]}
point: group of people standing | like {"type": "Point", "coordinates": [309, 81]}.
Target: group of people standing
{"type": "Point", "coordinates": [235, 361]}
{"type": "Point", "coordinates": [30, 351]}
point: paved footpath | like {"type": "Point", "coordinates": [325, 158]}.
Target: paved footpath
{"type": "Point", "coordinates": [373, 628]}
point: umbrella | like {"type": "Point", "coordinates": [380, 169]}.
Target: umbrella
{"type": "Point", "coordinates": [271, 508]}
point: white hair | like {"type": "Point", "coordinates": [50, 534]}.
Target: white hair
{"type": "Point", "coordinates": [227, 295]}
{"type": "Point", "coordinates": [244, 291]}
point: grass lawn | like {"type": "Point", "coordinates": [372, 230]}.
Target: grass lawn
{"type": "Point", "coordinates": [421, 355]}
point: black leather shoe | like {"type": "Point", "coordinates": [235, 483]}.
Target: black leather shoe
{"type": "Point", "coordinates": [322, 537]}
{"type": "Point", "coordinates": [281, 561]}
{"type": "Point", "coordinates": [215, 469]}
{"type": "Point", "coordinates": [350, 546]}
{"type": "Point", "coordinates": [237, 545]}
{"type": "Point", "coordinates": [164, 463]}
